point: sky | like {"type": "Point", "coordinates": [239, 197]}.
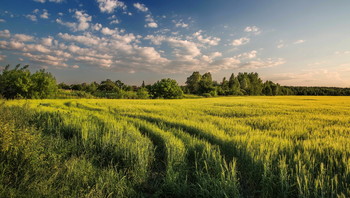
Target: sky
{"type": "Point", "coordinates": [297, 43]}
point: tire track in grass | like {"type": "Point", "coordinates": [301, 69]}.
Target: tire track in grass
{"type": "Point", "coordinates": [168, 170]}
{"type": "Point", "coordinates": [249, 169]}
{"type": "Point", "coordinates": [209, 173]}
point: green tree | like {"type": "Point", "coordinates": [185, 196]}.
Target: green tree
{"type": "Point", "coordinates": [142, 93]}
{"type": "Point", "coordinates": [20, 83]}
{"type": "Point", "coordinates": [108, 86]}
{"type": "Point", "coordinates": [206, 85]}
{"type": "Point", "coordinates": [234, 86]}
{"type": "Point", "coordinates": [166, 88]}
{"type": "Point", "coordinates": [192, 82]}
{"type": "Point", "coordinates": [15, 83]}
{"type": "Point", "coordinates": [225, 90]}
{"type": "Point", "coordinates": [43, 85]}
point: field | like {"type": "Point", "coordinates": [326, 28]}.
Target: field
{"type": "Point", "coordinates": [216, 147]}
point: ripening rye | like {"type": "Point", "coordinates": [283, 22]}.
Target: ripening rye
{"type": "Point", "coordinates": [217, 147]}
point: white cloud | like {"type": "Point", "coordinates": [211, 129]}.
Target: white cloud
{"type": "Point", "coordinates": [23, 37]}
{"type": "Point", "coordinates": [5, 34]}
{"type": "Point", "coordinates": [107, 31]}
{"type": "Point", "coordinates": [180, 24]}
{"type": "Point", "coordinates": [97, 27]}
{"type": "Point", "coordinates": [2, 20]}
{"type": "Point", "coordinates": [141, 7]}
{"type": "Point", "coordinates": [225, 63]}
{"type": "Point", "coordinates": [37, 48]}
{"type": "Point", "coordinates": [208, 40]}
{"type": "Point", "coordinates": [240, 41]}
{"type": "Point", "coordinates": [115, 21]}
{"type": "Point", "coordinates": [280, 44]}
{"type": "Point", "coordinates": [299, 41]}
{"type": "Point", "coordinates": [255, 64]}
{"type": "Point", "coordinates": [49, 60]}
{"type": "Point", "coordinates": [109, 6]}
{"type": "Point", "coordinates": [31, 17]}
{"type": "Point", "coordinates": [95, 61]}
{"type": "Point", "coordinates": [247, 55]}
{"type": "Point", "coordinates": [151, 23]}
{"type": "Point", "coordinates": [86, 39]}
{"type": "Point", "coordinates": [342, 52]}
{"type": "Point", "coordinates": [252, 29]}
{"type": "Point", "coordinates": [156, 40]}
{"type": "Point", "coordinates": [12, 45]}
{"type": "Point", "coordinates": [45, 14]}
{"type": "Point", "coordinates": [83, 21]}
{"type": "Point", "coordinates": [47, 41]}
{"type": "Point", "coordinates": [67, 24]}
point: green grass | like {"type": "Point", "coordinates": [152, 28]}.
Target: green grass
{"type": "Point", "coordinates": [202, 147]}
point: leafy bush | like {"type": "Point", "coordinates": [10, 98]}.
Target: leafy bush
{"type": "Point", "coordinates": [166, 88]}
{"type": "Point", "coordinates": [20, 83]}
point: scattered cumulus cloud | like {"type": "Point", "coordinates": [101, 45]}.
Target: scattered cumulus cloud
{"type": "Point", "coordinates": [23, 37]}
{"type": "Point", "coordinates": [252, 29]}
{"type": "Point", "coordinates": [108, 6]}
{"type": "Point", "coordinates": [47, 41]}
{"type": "Point", "coordinates": [141, 7]}
{"type": "Point", "coordinates": [2, 20]}
{"type": "Point", "coordinates": [115, 21]}
{"type": "Point", "coordinates": [180, 24]}
{"type": "Point", "coordinates": [150, 22]}
{"type": "Point", "coordinates": [5, 34]}
{"type": "Point", "coordinates": [240, 41]}
{"type": "Point", "coordinates": [299, 42]}
{"type": "Point", "coordinates": [206, 40]}
{"type": "Point", "coordinates": [107, 31]}
{"type": "Point", "coordinates": [31, 17]}
{"type": "Point", "coordinates": [248, 55]}
{"type": "Point", "coordinates": [280, 44]}
{"type": "Point", "coordinates": [82, 24]}
{"type": "Point", "coordinates": [45, 14]}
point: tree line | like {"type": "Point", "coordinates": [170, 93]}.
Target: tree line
{"type": "Point", "coordinates": [19, 82]}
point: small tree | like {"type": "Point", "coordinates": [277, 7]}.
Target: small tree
{"type": "Point", "coordinates": [142, 93]}
{"type": "Point", "coordinates": [166, 88]}
{"type": "Point", "coordinates": [193, 82]}
{"type": "Point", "coordinates": [43, 85]}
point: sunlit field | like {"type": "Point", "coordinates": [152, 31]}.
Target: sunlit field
{"type": "Point", "coordinates": [210, 147]}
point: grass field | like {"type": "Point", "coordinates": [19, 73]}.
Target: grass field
{"type": "Point", "coordinates": [214, 147]}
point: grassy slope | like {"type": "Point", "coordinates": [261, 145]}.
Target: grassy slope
{"type": "Point", "coordinates": [221, 147]}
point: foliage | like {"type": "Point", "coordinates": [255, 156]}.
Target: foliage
{"type": "Point", "coordinates": [20, 83]}
{"type": "Point", "coordinates": [193, 82]}
{"type": "Point", "coordinates": [166, 88]}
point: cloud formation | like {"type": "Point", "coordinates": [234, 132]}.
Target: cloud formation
{"type": "Point", "coordinates": [240, 41]}
{"type": "Point", "coordinates": [109, 6]}
{"type": "Point", "coordinates": [141, 7]}
{"type": "Point", "coordinates": [252, 29]}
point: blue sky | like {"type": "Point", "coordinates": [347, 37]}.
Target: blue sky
{"type": "Point", "coordinates": [290, 42]}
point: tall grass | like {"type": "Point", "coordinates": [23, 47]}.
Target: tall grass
{"type": "Point", "coordinates": [218, 147]}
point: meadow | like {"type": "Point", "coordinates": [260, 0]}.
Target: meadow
{"type": "Point", "coordinates": [281, 146]}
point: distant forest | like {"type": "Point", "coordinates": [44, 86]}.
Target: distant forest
{"type": "Point", "coordinates": [19, 83]}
